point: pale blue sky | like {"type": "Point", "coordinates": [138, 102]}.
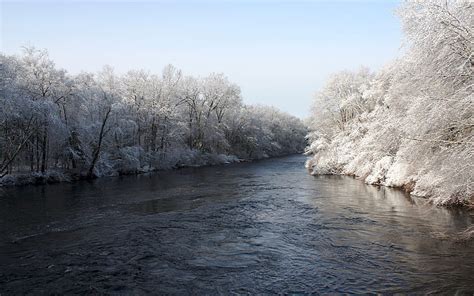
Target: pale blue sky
{"type": "Point", "coordinates": [279, 52]}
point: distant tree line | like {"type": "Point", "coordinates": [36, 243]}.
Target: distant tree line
{"type": "Point", "coordinates": [90, 125]}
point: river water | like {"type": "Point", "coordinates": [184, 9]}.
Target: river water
{"type": "Point", "coordinates": [251, 228]}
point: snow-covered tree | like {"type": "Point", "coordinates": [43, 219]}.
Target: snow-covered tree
{"type": "Point", "coordinates": [91, 125]}
{"type": "Point", "coordinates": [412, 124]}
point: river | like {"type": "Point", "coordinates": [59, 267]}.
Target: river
{"type": "Point", "coordinates": [251, 228]}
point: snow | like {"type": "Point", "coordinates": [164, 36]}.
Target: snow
{"type": "Point", "coordinates": [104, 124]}
{"type": "Point", "coordinates": [410, 125]}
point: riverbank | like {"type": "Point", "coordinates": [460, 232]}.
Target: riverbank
{"type": "Point", "coordinates": [195, 160]}
{"type": "Point", "coordinates": [58, 175]}
{"type": "Point", "coordinates": [387, 173]}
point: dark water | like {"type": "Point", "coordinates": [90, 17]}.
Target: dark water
{"type": "Point", "coordinates": [254, 228]}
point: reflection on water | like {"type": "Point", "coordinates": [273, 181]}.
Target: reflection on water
{"type": "Point", "coordinates": [263, 227]}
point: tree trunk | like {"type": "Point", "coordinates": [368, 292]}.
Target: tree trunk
{"type": "Point", "coordinates": [37, 154]}
{"type": "Point", "coordinates": [90, 173]}
{"type": "Point", "coordinates": [44, 148]}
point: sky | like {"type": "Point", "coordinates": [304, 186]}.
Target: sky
{"type": "Point", "coordinates": [278, 52]}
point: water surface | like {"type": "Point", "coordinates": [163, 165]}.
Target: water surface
{"type": "Point", "coordinates": [262, 227]}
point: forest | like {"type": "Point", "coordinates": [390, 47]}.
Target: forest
{"type": "Point", "coordinates": [55, 126]}
{"type": "Point", "coordinates": [411, 123]}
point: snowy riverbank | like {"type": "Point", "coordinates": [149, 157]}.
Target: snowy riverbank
{"type": "Point", "coordinates": [196, 160]}
{"type": "Point", "coordinates": [411, 124]}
